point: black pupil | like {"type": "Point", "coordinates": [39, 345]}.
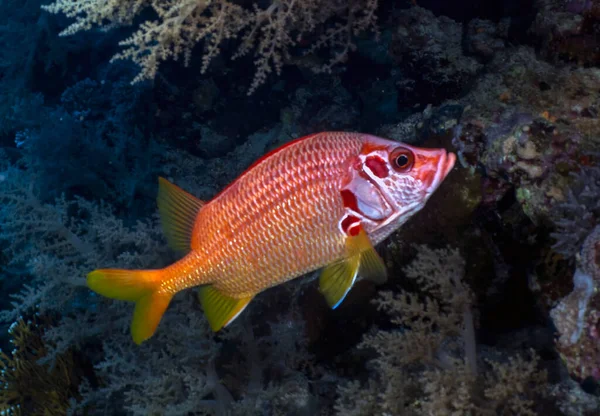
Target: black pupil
{"type": "Point", "coordinates": [402, 160]}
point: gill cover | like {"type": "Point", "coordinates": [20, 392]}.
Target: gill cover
{"type": "Point", "coordinates": [360, 194]}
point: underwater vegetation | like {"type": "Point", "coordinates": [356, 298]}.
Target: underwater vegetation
{"type": "Point", "coordinates": [492, 299]}
{"type": "Point", "coordinates": [268, 33]}
{"type": "Point", "coordinates": [30, 386]}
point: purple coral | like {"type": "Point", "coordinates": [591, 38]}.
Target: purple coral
{"type": "Point", "coordinates": [577, 316]}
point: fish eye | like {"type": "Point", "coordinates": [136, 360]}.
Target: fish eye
{"type": "Point", "coordinates": [402, 159]}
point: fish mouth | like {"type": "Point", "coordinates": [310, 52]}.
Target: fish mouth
{"type": "Point", "coordinates": [449, 164]}
{"type": "Point", "coordinates": [445, 164]}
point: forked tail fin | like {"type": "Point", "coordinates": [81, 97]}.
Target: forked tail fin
{"type": "Point", "coordinates": [139, 286]}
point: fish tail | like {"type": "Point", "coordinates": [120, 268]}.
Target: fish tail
{"type": "Point", "coordinates": [139, 286]}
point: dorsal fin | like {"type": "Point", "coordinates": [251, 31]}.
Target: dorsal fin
{"type": "Point", "coordinates": [178, 211]}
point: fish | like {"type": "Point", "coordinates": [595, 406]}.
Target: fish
{"type": "Point", "coordinates": [321, 201]}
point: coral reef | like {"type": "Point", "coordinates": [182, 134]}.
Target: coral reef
{"type": "Point", "coordinates": [431, 54]}
{"type": "Point", "coordinates": [271, 32]}
{"type": "Point", "coordinates": [485, 38]}
{"type": "Point", "coordinates": [524, 152]}
{"type": "Point", "coordinates": [428, 362]}
{"type": "Point", "coordinates": [577, 215]}
{"type": "Point", "coordinates": [536, 138]}
{"type": "Point", "coordinates": [577, 316]}
{"type": "Point", "coordinates": [28, 387]}
{"type": "Point", "coordinates": [505, 323]}
{"type": "Point", "coordinates": [569, 30]}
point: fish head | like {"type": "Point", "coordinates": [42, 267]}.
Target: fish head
{"type": "Point", "coordinates": [389, 181]}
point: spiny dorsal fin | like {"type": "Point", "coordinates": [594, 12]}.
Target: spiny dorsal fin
{"type": "Point", "coordinates": [337, 279]}
{"type": "Point", "coordinates": [178, 211]}
{"type": "Point", "coordinates": [220, 309]}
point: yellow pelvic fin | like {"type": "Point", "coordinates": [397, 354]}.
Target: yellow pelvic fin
{"type": "Point", "coordinates": [337, 279]}
{"type": "Point", "coordinates": [372, 267]}
{"type": "Point", "coordinates": [220, 309]}
{"type": "Point", "coordinates": [139, 286]}
{"type": "Point", "coordinates": [178, 211]}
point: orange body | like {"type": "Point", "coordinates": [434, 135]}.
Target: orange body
{"type": "Point", "coordinates": [277, 221]}
{"type": "Point", "coordinates": [320, 200]}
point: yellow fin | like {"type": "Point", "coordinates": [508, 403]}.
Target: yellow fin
{"type": "Point", "coordinates": [337, 279]}
{"type": "Point", "coordinates": [178, 211]}
{"type": "Point", "coordinates": [147, 315]}
{"type": "Point", "coordinates": [220, 309]}
{"type": "Point", "coordinates": [372, 267]}
{"type": "Point", "coordinates": [139, 286]}
{"type": "Point", "coordinates": [121, 284]}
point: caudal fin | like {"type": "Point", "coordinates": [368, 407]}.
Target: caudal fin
{"type": "Point", "coordinates": [139, 286]}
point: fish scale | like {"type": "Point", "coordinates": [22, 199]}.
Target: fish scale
{"type": "Point", "coordinates": [311, 235]}
{"type": "Point", "coordinates": [320, 201]}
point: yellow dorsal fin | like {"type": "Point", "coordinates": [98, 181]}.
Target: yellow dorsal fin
{"type": "Point", "coordinates": [220, 309]}
{"type": "Point", "coordinates": [337, 279]}
{"type": "Point", "coordinates": [178, 211]}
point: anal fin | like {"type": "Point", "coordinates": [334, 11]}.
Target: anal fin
{"type": "Point", "coordinates": [220, 309]}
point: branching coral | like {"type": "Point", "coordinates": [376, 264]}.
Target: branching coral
{"type": "Point", "coordinates": [426, 365]}
{"type": "Point", "coordinates": [271, 32]}
{"type": "Point", "coordinates": [54, 244]}
{"type": "Point", "coordinates": [179, 377]}
{"type": "Point", "coordinates": [51, 245]}
{"type": "Point", "coordinates": [28, 387]}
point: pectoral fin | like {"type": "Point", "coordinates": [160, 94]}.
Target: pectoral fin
{"type": "Point", "coordinates": [337, 279]}
{"type": "Point", "coordinates": [220, 309]}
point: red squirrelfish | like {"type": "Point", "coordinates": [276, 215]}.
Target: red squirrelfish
{"type": "Point", "coordinates": [321, 201]}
